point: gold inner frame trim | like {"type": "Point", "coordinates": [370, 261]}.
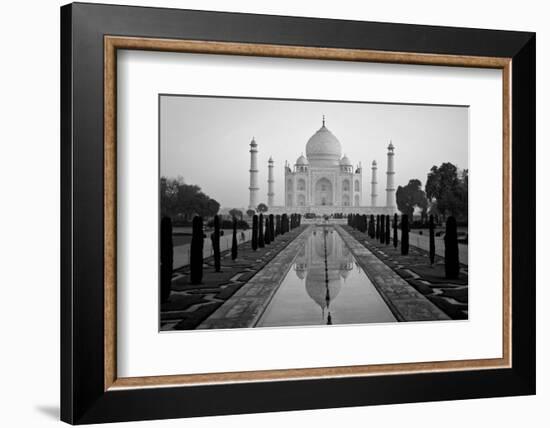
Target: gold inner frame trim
{"type": "Point", "coordinates": [113, 43]}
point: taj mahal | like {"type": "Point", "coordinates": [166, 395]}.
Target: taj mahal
{"type": "Point", "coordinates": [323, 181]}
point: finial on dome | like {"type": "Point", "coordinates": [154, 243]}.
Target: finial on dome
{"type": "Point", "coordinates": [323, 120]}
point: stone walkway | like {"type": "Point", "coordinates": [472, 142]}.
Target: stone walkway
{"type": "Point", "coordinates": [190, 304]}
{"type": "Point", "coordinates": [182, 252]}
{"type": "Point", "coordinates": [423, 242]}
{"type": "Point", "coordinates": [247, 305]}
{"type": "Point", "coordinates": [405, 302]}
{"type": "Point", "coordinates": [451, 296]}
{"type": "Point", "coordinates": [237, 296]}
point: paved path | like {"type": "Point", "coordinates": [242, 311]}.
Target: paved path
{"type": "Point", "coordinates": [238, 296]}
{"type": "Point", "coordinates": [449, 295]}
{"type": "Point", "coordinates": [246, 306]}
{"type": "Point", "coordinates": [190, 304]}
{"type": "Point", "coordinates": [181, 252]}
{"type": "Point", "coordinates": [406, 303]}
{"type": "Point", "coordinates": [423, 242]}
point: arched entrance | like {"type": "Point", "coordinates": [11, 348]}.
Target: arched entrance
{"type": "Point", "coordinates": [323, 192]}
{"type": "Point", "coordinates": [345, 200]}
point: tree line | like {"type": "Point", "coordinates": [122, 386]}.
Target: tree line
{"type": "Point", "coordinates": [378, 228]}
{"type": "Point", "coordinates": [265, 230]}
{"type": "Point", "coordinates": [445, 194]}
{"type": "Point", "coordinates": [181, 202]}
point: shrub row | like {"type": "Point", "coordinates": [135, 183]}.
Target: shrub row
{"type": "Point", "coordinates": [379, 228]}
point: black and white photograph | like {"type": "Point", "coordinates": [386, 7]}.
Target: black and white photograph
{"type": "Point", "coordinates": [248, 214]}
{"type": "Point", "coordinates": [293, 212]}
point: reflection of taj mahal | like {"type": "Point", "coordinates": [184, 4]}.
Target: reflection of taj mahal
{"type": "Point", "coordinates": [323, 287]}
{"type": "Point", "coordinates": [324, 182]}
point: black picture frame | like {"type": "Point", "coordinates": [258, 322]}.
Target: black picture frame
{"type": "Point", "coordinates": [83, 396]}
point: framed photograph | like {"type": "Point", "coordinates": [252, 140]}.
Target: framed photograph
{"type": "Point", "coordinates": [316, 212]}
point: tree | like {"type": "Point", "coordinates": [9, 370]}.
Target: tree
{"type": "Point", "coordinates": [452, 264]}
{"type": "Point", "coordinates": [234, 245]}
{"type": "Point", "coordinates": [267, 239]}
{"type": "Point", "coordinates": [395, 219]}
{"type": "Point", "coordinates": [271, 227]}
{"type": "Point", "coordinates": [197, 245]}
{"type": "Point", "coordinates": [262, 208]}
{"type": "Point", "coordinates": [254, 240]}
{"type": "Point", "coordinates": [166, 258]}
{"type": "Point", "coordinates": [371, 226]}
{"type": "Point", "coordinates": [410, 196]}
{"type": "Point", "coordinates": [250, 212]}
{"type": "Point", "coordinates": [215, 237]}
{"type": "Point", "coordinates": [382, 236]}
{"type": "Point", "coordinates": [168, 195]}
{"type": "Point", "coordinates": [261, 242]}
{"type": "Point", "coordinates": [236, 213]}
{"type": "Point", "coordinates": [404, 235]}
{"type": "Point", "coordinates": [448, 190]}
{"type": "Point", "coordinates": [178, 199]}
{"type": "Point", "coordinates": [387, 230]}
{"type": "Point", "coordinates": [377, 236]}
{"type": "Point", "coordinates": [432, 240]}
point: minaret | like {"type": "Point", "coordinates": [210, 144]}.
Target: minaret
{"type": "Point", "coordinates": [270, 183]}
{"type": "Point", "coordinates": [373, 184]}
{"type": "Point", "coordinates": [253, 175]}
{"type": "Point", "coordinates": [390, 186]}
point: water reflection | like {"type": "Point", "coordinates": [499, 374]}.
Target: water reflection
{"type": "Point", "coordinates": [325, 286]}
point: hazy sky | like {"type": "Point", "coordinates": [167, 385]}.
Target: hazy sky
{"type": "Point", "coordinates": [206, 140]}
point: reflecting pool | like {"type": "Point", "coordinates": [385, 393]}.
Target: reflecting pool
{"type": "Point", "coordinates": [325, 286]}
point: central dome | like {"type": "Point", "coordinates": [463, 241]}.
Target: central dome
{"type": "Point", "coordinates": [323, 147]}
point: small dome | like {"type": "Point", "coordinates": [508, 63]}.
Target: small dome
{"type": "Point", "coordinates": [345, 161]}
{"type": "Point", "coordinates": [345, 269]}
{"type": "Point", "coordinates": [323, 147]}
{"type": "Point", "coordinates": [301, 160]}
{"type": "Point", "coordinates": [253, 142]}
